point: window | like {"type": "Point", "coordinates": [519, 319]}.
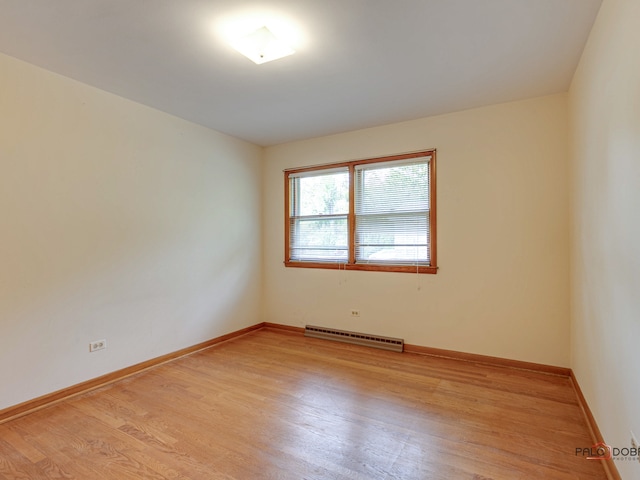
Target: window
{"type": "Point", "coordinates": [374, 214]}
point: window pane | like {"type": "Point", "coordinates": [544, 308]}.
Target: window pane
{"type": "Point", "coordinates": [397, 239]}
{"type": "Point", "coordinates": [392, 189]}
{"type": "Point", "coordinates": [392, 213]}
{"type": "Point", "coordinates": [319, 239]}
{"type": "Point", "coordinates": [326, 194]}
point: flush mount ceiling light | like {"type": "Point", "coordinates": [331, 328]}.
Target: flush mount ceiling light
{"type": "Point", "coordinates": [262, 46]}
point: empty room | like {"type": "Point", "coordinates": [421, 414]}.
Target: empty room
{"type": "Point", "coordinates": [339, 239]}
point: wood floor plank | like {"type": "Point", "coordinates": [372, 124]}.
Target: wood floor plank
{"type": "Point", "coordinates": [276, 405]}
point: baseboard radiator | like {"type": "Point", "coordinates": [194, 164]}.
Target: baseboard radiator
{"type": "Point", "coordinates": [376, 341]}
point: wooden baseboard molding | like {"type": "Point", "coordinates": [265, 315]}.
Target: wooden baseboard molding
{"type": "Point", "coordinates": [285, 328]}
{"type": "Point", "coordinates": [596, 436]}
{"type": "Point", "coordinates": [467, 357]}
{"type": "Point", "coordinates": [488, 360]}
{"type": "Point", "coordinates": [52, 398]}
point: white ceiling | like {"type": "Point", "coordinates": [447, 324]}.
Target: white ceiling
{"type": "Point", "coordinates": [359, 63]}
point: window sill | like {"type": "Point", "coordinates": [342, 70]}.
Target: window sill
{"type": "Point", "coordinates": [430, 269]}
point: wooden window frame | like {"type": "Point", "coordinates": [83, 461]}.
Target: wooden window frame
{"type": "Point", "coordinates": [351, 218]}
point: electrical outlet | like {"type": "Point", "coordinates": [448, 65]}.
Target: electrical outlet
{"type": "Point", "coordinates": [355, 312]}
{"type": "Point", "coordinates": [97, 345]}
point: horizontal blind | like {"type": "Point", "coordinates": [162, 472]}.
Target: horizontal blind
{"type": "Point", "coordinates": [318, 215]}
{"type": "Point", "coordinates": [392, 212]}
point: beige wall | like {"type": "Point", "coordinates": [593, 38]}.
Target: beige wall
{"type": "Point", "coordinates": [116, 222]}
{"type": "Point", "coordinates": [605, 240]}
{"type": "Point", "coordinates": [502, 288]}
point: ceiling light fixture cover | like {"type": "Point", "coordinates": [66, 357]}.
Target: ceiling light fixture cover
{"type": "Point", "coordinates": [262, 46]}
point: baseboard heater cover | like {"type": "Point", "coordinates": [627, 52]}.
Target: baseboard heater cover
{"type": "Point", "coordinates": [365, 339]}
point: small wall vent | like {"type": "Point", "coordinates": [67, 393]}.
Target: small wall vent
{"type": "Point", "coordinates": [376, 341]}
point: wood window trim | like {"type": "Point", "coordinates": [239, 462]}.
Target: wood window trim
{"type": "Point", "coordinates": [351, 263]}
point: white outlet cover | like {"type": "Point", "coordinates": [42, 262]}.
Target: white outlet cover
{"type": "Point", "coordinates": [97, 345]}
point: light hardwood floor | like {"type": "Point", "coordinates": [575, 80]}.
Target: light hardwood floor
{"type": "Point", "coordinates": [276, 405]}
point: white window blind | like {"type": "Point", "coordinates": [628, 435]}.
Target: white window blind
{"type": "Point", "coordinates": [318, 215]}
{"type": "Point", "coordinates": [392, 212]}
